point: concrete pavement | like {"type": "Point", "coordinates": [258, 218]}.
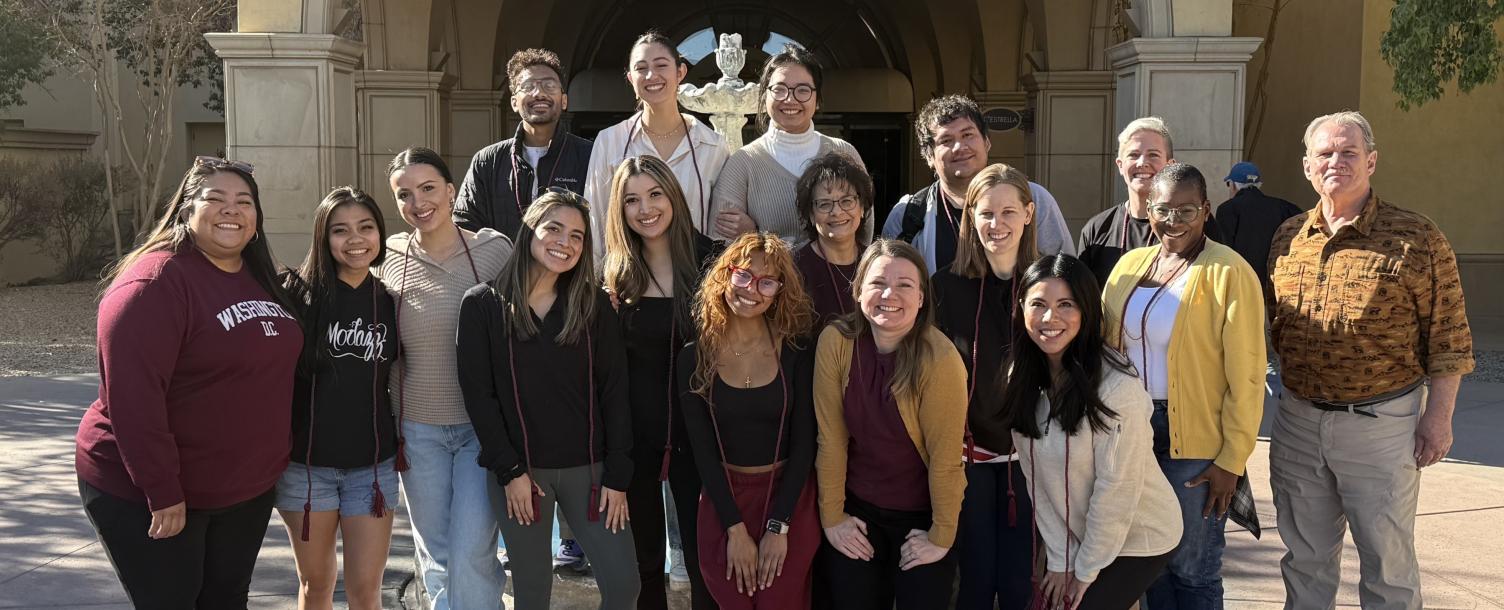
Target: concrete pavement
{"type": "Point", "coordinates": [49, 557]}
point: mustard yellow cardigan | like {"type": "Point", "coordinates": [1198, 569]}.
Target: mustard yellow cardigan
{"type": "Point", "coordinates": [935, 422]}
{"type": "Point", "coordinates": [1216, 355]}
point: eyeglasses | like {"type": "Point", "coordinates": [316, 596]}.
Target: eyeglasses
{"type": "Point", "coordinates": [801, 93]}
{"type": "Point", "coordinates": [766, 285]}
{"type": "Point", "coordinates": [530, 87]}
{"type": "Point", "coordinates": [219, 163]}
{"type": "Point", "coordinates": [828, 206]}
{"type": "Point", "coordinates": [1183, 213]}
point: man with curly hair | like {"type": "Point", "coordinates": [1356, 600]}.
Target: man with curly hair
{"type": "Point", "coordinates": [953, 141]}
{"type": "Point", "coordinates": [505, 177]}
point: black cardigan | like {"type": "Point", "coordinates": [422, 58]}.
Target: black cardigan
{"type": "Point", "coordinates": [554, 386]}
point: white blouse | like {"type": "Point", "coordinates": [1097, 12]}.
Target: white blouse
{"type": "Point", "coordinates": [696, 163]}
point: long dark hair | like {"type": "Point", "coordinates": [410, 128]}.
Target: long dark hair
{"type": "Point", "coordinates": [626, 272]}
{"type": "Point", "coordinates": [173, 234]}
{"type": "Point", "coordinates": [418, 155]}
{"type": "Point", "coordinates": [1086, 360]}
{"type": "Point", "coordinates": [312, 284]}
{"type": "Point", "coordinates": [578, 285]}
{"type": "Point", "coordinates": [914, 349]}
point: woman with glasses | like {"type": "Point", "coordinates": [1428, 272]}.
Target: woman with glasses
{"type": "Point", "coordinates": [653, 267]}
{"type": "Point", "coordinates": [834, 200]}
{"type": "Point", "coordinates": [974, 298]}
{"type": "Point", "coordinates": [695, 152]}
{"type": "Point", "coordinates": [448, 495]}
{"type": "Point", "coordinates": [179, 457]}
{"type": "Point", "coordinates": [745, 384]}
{"type": "Point", "coordinates": [890, 399]}
{"type": "Point", "coordinates": [757, 188]}
{"type": "Point", "coordinates": [1193, 306]}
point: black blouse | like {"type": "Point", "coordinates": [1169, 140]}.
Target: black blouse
{"type": "Point", "coordinates": [983, 337]}
{"type": "Point", "coordinates": [553, 382]}
{"type": "Point", "coordinates": [747, 419]}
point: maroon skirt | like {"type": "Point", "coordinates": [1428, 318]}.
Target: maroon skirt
{"type": "Point", "coordinates": [791, 590]}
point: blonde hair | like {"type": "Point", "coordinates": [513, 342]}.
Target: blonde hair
{"type": "Point", "coordinates": [1151, 124]}
{"type": "Point", "coordinates": [1346, 118]}
{"type": "Point", "coordinates": [971, 258]}
{"type": "Point", "coordinates": [790, 315]}
{"type": "Point", "coordinates": [913, 350]}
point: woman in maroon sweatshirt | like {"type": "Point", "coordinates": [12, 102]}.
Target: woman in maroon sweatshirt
{"type": "Point", "coordinates": [179, 457]}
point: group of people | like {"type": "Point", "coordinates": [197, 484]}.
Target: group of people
{"type": "Point", "coordinates": [840, 417]}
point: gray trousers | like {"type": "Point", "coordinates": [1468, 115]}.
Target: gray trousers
{"type": "Point", "coordinates": [1333, 471]}
{"type": "Point", "coordinates": [613, 558]}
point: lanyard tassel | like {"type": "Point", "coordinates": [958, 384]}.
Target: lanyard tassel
{"type": "Point", "coordinates": [594, 512]}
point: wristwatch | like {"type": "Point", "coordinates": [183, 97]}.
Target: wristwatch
{"type": "Point", "coordinates": [777, 527]}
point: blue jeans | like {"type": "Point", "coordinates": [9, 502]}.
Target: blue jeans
{"type": "Point", "coordinates": [1193, 578]}
{"type": "Point", "coordinates": [448, 498]}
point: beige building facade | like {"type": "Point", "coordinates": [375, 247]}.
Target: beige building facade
{"type": "Point", "coordinates": [322, 93]}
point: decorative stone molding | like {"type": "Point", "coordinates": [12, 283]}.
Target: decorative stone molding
{"type": "Point", "coordinates": [1070, 148]}
{"type": "Point", "coordinates": [1196, 84]}
{"type": "Point", "coordinates": [399, 109]}
{"type": "Point", "coordinates": [290, 111]}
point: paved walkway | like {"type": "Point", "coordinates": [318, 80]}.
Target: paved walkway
{"type": "Point", "coordinates": [49, 557]}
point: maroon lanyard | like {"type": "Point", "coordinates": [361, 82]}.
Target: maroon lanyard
{"type": "Point", "coordinates": [407, 255]}
{"type": "Point", "coordinates": [517, 188]}
{"type": "Point", "coordinates": [592, 512]}
{"type": "Point", "coordinates": [777, 444]}
{"type": "Point", "coordinates": [693, 157]}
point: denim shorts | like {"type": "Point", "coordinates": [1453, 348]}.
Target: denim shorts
{"type": "Point", "coordinates": [347, 490]}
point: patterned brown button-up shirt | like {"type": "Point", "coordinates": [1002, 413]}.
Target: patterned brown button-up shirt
{"type": "Point", "coordinates": [1368, 310]}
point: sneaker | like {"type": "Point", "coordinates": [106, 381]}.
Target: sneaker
{"type": "Point", "coordinates": [678, 575]}
{"type": "Point", "coordinates": [570, 556]}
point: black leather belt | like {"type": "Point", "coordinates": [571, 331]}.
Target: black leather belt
{"type": "Point", "coordinates": [1362, 408]}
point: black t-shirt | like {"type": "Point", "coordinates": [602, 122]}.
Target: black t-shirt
{"type": "Point", "coordinates": [985, 326]}
{"type": "Point", "coordinates": [1112, 233]}
{"type": "Point", "coordinates": [748, 421]}
{"type": "Point", "coordinates": [352, 354]}
{"type": "Point", "coordinates": [947, 228]}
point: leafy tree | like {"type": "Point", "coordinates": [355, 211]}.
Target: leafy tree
{"type": "Point", "coordinates": [23, 54]}
{"type": "Point", "coordinates": [161, 42]}
{"type": "Point", "coordinates": [1432, 42]}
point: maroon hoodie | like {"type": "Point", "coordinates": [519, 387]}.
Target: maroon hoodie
{"type": "Point", "coordinates": [195, 386]}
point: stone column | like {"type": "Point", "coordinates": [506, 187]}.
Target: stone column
{"type": "Point", "coordinates": [290, 111]}
{"type": "Point", "coordinates": [1071, 148]}
{"type": "Point", "coordinates": [1007, 146]}
{"type": "Point", "coordinates": [398, 109]}
{"type": "Point", "coordinates": [477, 119]}
{"type": "Point", "coordinates": [1196, 84]}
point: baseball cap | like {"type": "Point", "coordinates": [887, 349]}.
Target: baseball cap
{"type": "Point", "coordinates": [1244, 172]}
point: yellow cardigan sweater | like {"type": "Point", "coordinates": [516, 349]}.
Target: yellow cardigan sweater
{"type": "Point", "coordinates": [1216, 355]}
{"type": "Point", "coordinates": [935, 422]}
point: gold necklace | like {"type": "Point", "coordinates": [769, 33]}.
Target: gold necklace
{"type": "Point", "coordinates": [672, 132]}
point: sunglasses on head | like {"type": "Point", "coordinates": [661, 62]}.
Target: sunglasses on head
{"type": "Point", "coordinates": [220, 163]}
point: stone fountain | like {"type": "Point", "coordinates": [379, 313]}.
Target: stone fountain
{"type": "Point", "coordinates": [728, 100]}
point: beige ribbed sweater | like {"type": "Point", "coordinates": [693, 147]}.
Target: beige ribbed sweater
{"type": "Point", "coordinates": [428, 318]}
{"type": "Point", "coordinates": [753, 180]}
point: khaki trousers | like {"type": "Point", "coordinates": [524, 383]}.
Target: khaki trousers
{"type": "Point", "coordinates": [1331, 471]}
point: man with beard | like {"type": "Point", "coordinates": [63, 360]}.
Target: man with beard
{"type": "Point", "coordinates": [505, 177]}
{"type": "Point", "coordinates": [954, 143]}
{"type": "Point", "coordinates": [1144, 148]}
